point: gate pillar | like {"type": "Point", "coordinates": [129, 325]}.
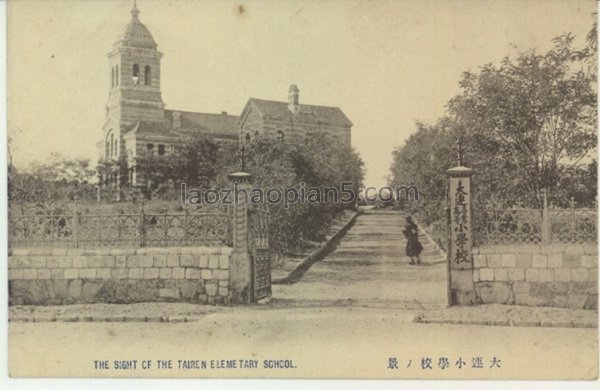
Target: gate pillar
{"type": "Point", "coordinates": [461, 289]}
{"type": "Point", "coordinates": [240, 269]}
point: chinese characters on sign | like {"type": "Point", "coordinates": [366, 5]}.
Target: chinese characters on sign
{"type": "Point", "coordinates": [445, 362]}
{"type": "Point", "coordinates": [460, 218]}
{"type": "Point", "coordinates": [461, 227]}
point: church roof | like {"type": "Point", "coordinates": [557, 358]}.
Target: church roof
{"type": "Point", "coordinates": [136, 34]}
{"type": "Point", "coordinates": [199, 122]}
{"type": "Point", "coordinates": [308, 114]}
{"type": "Point", "coordinates": [191, 124]}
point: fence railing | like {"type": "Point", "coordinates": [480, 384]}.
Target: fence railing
{"type": "Point", "coordinates": [534, 226]}
{"type": "Point", "coordinates": [121, 229]}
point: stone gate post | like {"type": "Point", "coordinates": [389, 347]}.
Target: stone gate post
{"type": "Point", "coordinates": [240, 269]}
{"type": "Point", "coordinates": [460, 257]}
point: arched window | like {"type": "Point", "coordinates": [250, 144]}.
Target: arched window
{"type": "Point", "coordinates": [117, 75]}
{"type": "Point", "coordinates": [280, 136]}
{"type": "Point", "coordinates": [147, 75]}
{"type": "Point", "coordinates": [112, 77]}
{"type": "Point", "coordinates": [135, 75]}
{"type": "Point", "coordinates": [247, 137]}
{"type": "Point", "coordinates": [111, 144]}
{"type": "Point", "coordinates": [116, 147]}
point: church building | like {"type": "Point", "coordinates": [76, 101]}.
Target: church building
{"type": "Point", "coordinates": [136, 119]}
{"type": "Point", "coordinates": [137, 122]}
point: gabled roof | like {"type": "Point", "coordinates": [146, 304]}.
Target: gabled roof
{"type": "Point", "coordinates": [192, 124]}
{"type": "Point", "coordinates": [199, 122]}
{"type": "Point", "coordinates": [308, 114]}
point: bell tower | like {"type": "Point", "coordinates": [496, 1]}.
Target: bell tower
{"type": "Point", "coordinates": [134, 76]}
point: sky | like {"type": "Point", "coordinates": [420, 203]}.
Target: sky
{"type": "Point", "coordinates": [386, 64]}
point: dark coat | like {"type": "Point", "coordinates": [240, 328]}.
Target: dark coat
{"type": "Point", "coordinates": [413, 246]}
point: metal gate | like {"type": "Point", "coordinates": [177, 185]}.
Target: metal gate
{"type": "Point", "coordinates": [260, 253]}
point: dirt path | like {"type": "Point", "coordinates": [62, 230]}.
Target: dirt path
{"type": "Point", "coordinates": [369, 268]}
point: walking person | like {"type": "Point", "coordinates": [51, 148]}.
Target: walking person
{"type": "Point", "coordinates": [413, 246]}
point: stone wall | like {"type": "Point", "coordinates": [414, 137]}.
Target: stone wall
{"type": "Point", "coordinates": [532, 275]}
{"type": "Point", "coordinates": [63, 276]}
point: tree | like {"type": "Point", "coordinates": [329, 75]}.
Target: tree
{"type": "Point", "coordinates": [46, 187]}
{"type": "Point", "coordinates": [194, 163]}
{"type": "Point", "coordinates": [524, 121]}
{"type": "Point", "coordinates": [317, 161]}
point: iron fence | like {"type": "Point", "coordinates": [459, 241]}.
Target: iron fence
{"type": "Point", "coordinates": [534, 226]}
{"type": "Point", "coordinates": [207, 227]}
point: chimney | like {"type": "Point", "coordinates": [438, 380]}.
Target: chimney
{"type": "Point", "coordinates": [176, 119]}
{"type": "Point", "coordinates": [293, 99]}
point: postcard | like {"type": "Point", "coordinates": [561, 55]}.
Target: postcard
{"type": "Point", "coordinates": [384, 189]}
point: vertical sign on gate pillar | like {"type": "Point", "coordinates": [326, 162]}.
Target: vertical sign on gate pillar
{"type": "Point", "coordinates": [460, 256]}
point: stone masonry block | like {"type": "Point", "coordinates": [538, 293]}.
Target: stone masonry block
{"type": "Point", "coordinates": [192, 273]}
{"type": "Point", "coordinates": [171, 293]}
{"type": "Point", "coordinates": [178, 273]}
{"type": "Point", "coordinates": [521, 287]}
{"type": "Point", "coordinates": [571, 260]}
{"type": "Point", "coordinates": [121, 261]}
{"type": "Point", "coordinates": [59, 262]}
{"type": "Point", "coordinates": [494, 261]}
{"type": "Point", "coordinates": [38, 262]}
{"type": "Point", "coordinates": [500, 274]}
{"type": "Point", "coordinates": [57, 273]}
{"type": "Point", "coordinates": [579, 274]}
{"type": "Point", "coordinates": [213, 261]}
{"type": "Point", "coordinates": [562, 274]}
{"type": "Point", "coordinates": [206, 274]}
{"type": "Point", "coordinates": [80, 261]}
{"type": "Point", "coordinates": [188, 261]}
{"type": "Point", "coordinates": [43, 273]}
{"type": "Point", "coordinates": [589, 261]}
{"type": "Point", "coordinates": [516, 274]}
{"type": "Point", "coordinates": [173, 260]}
{"type": "Point", "coordinates": [87, 273]}
{"type": "Point", "coordinates": [101, 262]}
{"type": "Point", "coordinates": [555, 260]}
{"type": "Point", "coordinates": [165, 273]}
{"type": "Point", "coordinates": [15, 274]}
{"type": "Point", "coordinates": [211, 289]}
{"type": "Point", "coordinates": [139, 261]}
{"type": "Point", "coordinates": [479, 261]}
{"type": "Point", "coordinates": [486, 274]}
{"type": "Point", "coordinates": [160, 260]}
{"type": "Point", "coordinates": [203, 261]}
{"type": "Point", "coordinates": [119, 273]}
{"type": "Point", "coordinates": [540, 261]}
{"type": "Point", "coordinates": [523, 261]}
{"type": "Point", "coordinates": [103, 273]}
{"type": "Point", "coordinates": [223, 291]}
{"type": "Point", "coordinates": [71, 273]}
{"type": "Point", "coordinates": [19, 262]}
{"type": "Point", "coordinates": [221, 274]}
{"type": "Point", "coordinates": [509, 261]}
{"type": "Point", "coordinates": [475, 275]}
{"type": "Point", "coordinates": [532, 274]}
{"type": "Point", "coordinates": [75, 288]}
{"type": "Point", "coordinates": [29, 273]}
{"type": "Point", "coordinates": [224, 261]}
{"type": "Point", "coordinates": [136, 273]}
{"type": "Point", "coordinates": [150, 273]}
{"type": "Point", "coordinates": [546, 275]}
